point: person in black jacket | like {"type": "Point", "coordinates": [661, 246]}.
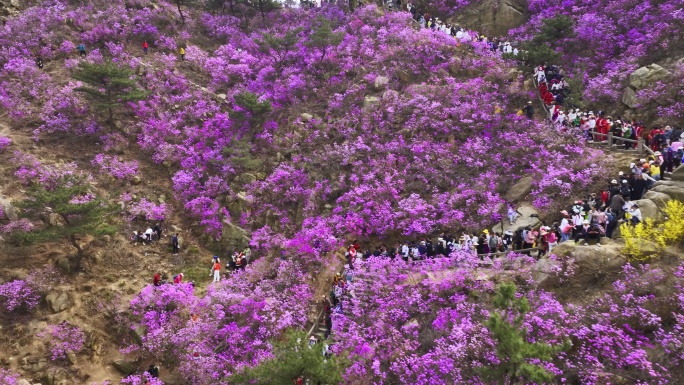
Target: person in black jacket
{"type": "Point", "coordinates": [529, 110]}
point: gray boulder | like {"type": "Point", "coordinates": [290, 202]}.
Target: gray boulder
{"type": "Point", "coordinates": [658, 198]}
{"type": "Point", "coordinates": [58, 301]}
{"type": "Point", "coordinates": [370, 101]}
{"type": "Point", "coordinates": [124, 366]}
{"type": "Point", "coordinates": [673, 189]}
{"type": "Point", "coordinates": [678, 174]}
{"type": "Point", "coordinates": [520, 190]}
{"type": "Point", "coordinates": [305, 117]}
{"type": "Point", "coordinates": [629, 98]}
{"type": "Point", "coordinates": [645, 76]}
{"type": "Point", "coordinates": [380, 82]}
{"type": "Point", "coordinates": [8, 209]}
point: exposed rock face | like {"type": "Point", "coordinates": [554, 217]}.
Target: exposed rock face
{"type": "Point", "coordinates": [594, 263]}
{"type": "Point", "coordinates": [493, 17]}
{"type": "Point", "coordinates": [649, 209]}
{"type": "Point", "coordinates": [678, 174]}
{"type": "Point", "coordinates": [673, 189]}
{"type": "Point", "coordinates": [8, 209]}
{"type": "Point", "coordinates": [58, 301]}
{"type": "Point", "coordinates": [629, 98]}
{"type": "Point", "coordinates": [520, 190]}
{"type": "Point", "coordinates": [645, 76]}
{"type": "Point", "coordinates": [529, 217]}
{"type": "Point", "coordinates": [380, 82]}
{"type": "Point", "coordinates": [370, 101]}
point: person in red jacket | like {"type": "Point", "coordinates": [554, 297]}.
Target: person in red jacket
{"type": "Point", "coordinates": [145, 47]}
{"type": "Point", "coordinates": [217, 271]}
{"type": "Point", "coordinates": [178, 279]}
{"type": "Point", "coordinates": [157, 279]}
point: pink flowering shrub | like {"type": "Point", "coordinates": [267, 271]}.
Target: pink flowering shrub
{"type": "Point", "coordinates": [63, 339]}
{"type": "Point", "coordinates": [145, 209]}
{"type": "Point", "coordinates": [18, 296]}
{"type": "Point", "coordinates": [8, 378]}
{"type": "Point", "coordinates": [228, 327]}
{"type": "Point", "coordinates": [115, 167]}
{"type": "Point", "coordinates": [4, 142]}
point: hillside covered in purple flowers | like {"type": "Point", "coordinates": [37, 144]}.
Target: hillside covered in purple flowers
{"type": "Point", "coordinates": [285, 133]}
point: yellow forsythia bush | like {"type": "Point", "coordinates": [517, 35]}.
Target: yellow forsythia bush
{"type": "Point", "coordinates": [648, 238]}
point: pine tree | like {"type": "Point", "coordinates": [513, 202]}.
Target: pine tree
{"type": "Point", "coordinates": [323, 36]}
{"type": "Point", "coordinates": [512, 349]}
{"type": "Point", "coordinates": [79, 213]}
{"type": "Point", "coordinates": [294, 358]}
{"type": "Point", "coordinates": [108, 86]}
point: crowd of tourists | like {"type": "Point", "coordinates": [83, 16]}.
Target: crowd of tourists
{"type": "Point", "coordinates": [595, 127]}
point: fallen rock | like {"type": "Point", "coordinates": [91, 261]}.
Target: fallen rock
{"type": "Point", "coordinates": [380, 82]}
{"type": "Point", "coordinates": [136, 180]}
{"type": "Point", "coordinates": [306, 117]}
{"type": "Point", "coordinates": [520, 190]}
{"type": "Point", "coordinates": [55, 376]}
{"type": "Point", "coordinates": [629, 98]}
{"type": "Point", "coordinates": [645, 76]}
{"type": "Point", "coordinates": [56, 220]}
{"type": "Point", "coordinates": [124, 366]}
{"type": "Point", "coordinates": [222, 96]}
{"type": "Point", "coordinates": [404, 77]}
{"type": "Point", "coordinates": [33, 364]}
{"type": "Point", "coordinates": [370, 101]}
{"type": "Point", "coordinates": [8, 209]}
{"type": "Point", "coordinates": [23, 382]}
{"type": "Point", "coordinates": [58, 301]}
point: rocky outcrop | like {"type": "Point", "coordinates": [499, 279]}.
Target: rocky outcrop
{"type": "Point", "coordinates": [370, 101]}
{"type": "Point", "coordinates": [629, 98]}
{"type": "Point", "coordinates": [380, 82]}
{"type": "Point", "coordinates": [645, 76]}
{"type": "Point", "coordinates": [678, 174]}
{"type": "Point", "coordinates": [594, 263]}
{"type": "Point", "coordinates": [649, 209]}
{"type": "Point", "coordinates": [58, 301]}
{"type": "Point", "coordinates": [672, 188]}
{"type": "Point", "coordinates": [8, 209]}
{"type": "Point", "coordinates": [492, 17]}
{"type": "Point", "coordinates": [520, 190]}
{"type": "Point", "coordinates": [529, 217]}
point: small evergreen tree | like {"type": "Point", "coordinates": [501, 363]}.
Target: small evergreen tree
{"type": "Point", "coordinates": [294, 358]}
{"type": "Point", "coordinates": [278, 47]}
{"type": "Point", "coordinates": [512, 349]}
{"type": "Point", "coordinates": [323, 36]}
{"type": "Point", "coordinates": [79, 213]}
{"type": "Point", "coordinates": [108, 86]}
{"type": "Point", "coordinates": [538, 50]}
{"type": "Point", "coordinates": [251, 108]}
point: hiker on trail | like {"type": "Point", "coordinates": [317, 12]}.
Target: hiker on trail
{"type": "Point", "coordinates": [174, 243]}
{"type": "Point", "coordinates": [81, 50]}
{"type": "Point", "coordinates": [529, 110]}
{"type": "Point", "coordinates": [157, 231]}
{"type": "Point", "coordinates": [182, 53]}
{"type": "Point", "coordinates": [145, 46]}
{"type": "Point", "coordinates": [636, 214]}
{"type": "Point", "coordinates": [148, 235]}
{"type": "Point", "coordinates": [214, 260]}
{"type": "Point", "coordinates": [247, 254]}
{"type": "Point", "coordinates": [217, 271]}
{"type": "Point", "coordinates": [157, 279]}
{"type": "Point", "coordinates": [153, 371]}
{"type": "Point", "coordinates": [178, 279]}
